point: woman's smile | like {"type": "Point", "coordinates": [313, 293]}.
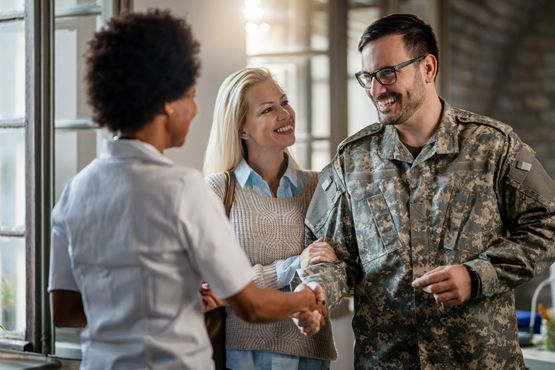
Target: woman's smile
{"type": "Point", "coordinates": [286, 129]}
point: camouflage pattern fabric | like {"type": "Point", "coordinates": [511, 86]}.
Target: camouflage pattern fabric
{"type": "Point", "coordinates": [475, 195]}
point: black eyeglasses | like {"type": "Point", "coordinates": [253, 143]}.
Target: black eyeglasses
{"type": "Point", "coordinates": [385, 76]}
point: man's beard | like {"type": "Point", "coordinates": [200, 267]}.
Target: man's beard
{"type": "Point", "coordinates": [413, 100]}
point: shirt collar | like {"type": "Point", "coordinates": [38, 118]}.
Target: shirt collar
{"type": "Point", "coordinates": [243, 172]}
{"type": "Point", "coordinates": [447, 135]}
{"type": "Point", "coordinates": [445, 138]}
{"type": "Point", "coordinates": [291, 171]}
{"type": "Point", "coordinates": [130, 148]}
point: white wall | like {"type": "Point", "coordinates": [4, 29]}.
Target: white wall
{"type": "Point", "coordinates": [219, 26]}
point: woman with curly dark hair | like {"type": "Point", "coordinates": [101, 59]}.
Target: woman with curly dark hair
{"type": "Point", "coordinates": [133, 235]}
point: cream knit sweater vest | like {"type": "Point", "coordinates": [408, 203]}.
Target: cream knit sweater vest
{"type": "Point", "coordinates": [271, 229]}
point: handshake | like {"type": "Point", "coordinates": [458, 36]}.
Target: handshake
{"type": "Point", "coordinates": [310, 322]}
{"type": "Point", "coordinates": [305, 306]}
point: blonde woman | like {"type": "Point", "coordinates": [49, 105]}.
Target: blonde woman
{"type": "Point", "coordinates": [253, 126]}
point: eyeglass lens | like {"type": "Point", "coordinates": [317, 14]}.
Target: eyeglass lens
{"type": "Point", "coordinates": [386, 77]}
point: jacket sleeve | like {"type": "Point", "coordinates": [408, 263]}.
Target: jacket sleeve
{"type": "Point", "coordinates": [330, 216]}
{"type": "Point", "coordinates": [526, 199]}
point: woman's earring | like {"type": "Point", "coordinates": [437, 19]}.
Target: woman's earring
{"type": "Point", "coordinates": [244, 135]}
{"type": "Point", "coordinates": [171, 111]}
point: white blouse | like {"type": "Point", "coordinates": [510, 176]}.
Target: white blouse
{"type": "Point", "coordinates": [135, 235]}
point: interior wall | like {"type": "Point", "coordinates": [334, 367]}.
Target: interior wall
{"type": "Point", "coordinates": [219, 26]}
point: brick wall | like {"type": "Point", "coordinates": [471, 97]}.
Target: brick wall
{"type": "Point", "coordinates": [503, 66]}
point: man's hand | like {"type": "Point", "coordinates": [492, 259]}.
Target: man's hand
{"type": "Point", "coordinates": [310, 323]}
{"type": "Point", "coordinates": [319, 251]}
{"type": "Point", "coordinates": [450, 285]}
{"type": "Point", "coordinates": [209, 301]}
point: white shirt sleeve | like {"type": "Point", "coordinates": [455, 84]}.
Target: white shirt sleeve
{"type": "Point", "coordinates": [206, 229]}
{"type": "Point", "coordinates": [61, 276]}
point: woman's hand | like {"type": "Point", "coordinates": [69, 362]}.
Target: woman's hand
{"type": "Point", "coordinates": [319, 251]}
{"type": "Point", "coordinates": [209, 301]}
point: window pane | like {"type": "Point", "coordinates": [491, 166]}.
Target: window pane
{"type": "Point", "coordinates": [301, 153]}
{"type": "Point", "coordinates": [72, 35]}
{"type": "Point", "coordinates": [361, 109]}
{"type": "Point", "coordinates": [68, 342]}
{"type": "Point", "coordinates": [12, 70]}
{"type": "Point", "coordinates": [8, 6]}
{"type": "Point", "coordinates": [70, 3]}
{"type": "Point", "coordinates": [320, 154]}
{"type": "Point", "coordinates": [320, 96]}
{"type": "Point", "coordinates": [12, 177]}
{"type": "Point", "coordinates": [74, 150]}
{"type": "Point", "coordinates": [285, 26]}
{"type": "Point", "coordinates": [319, 21]}
{"type": "Point", "coordinates": [358, 20]}
{"type": "Point", "coordinates": [290, 75]}
{"type": "Point", "coordinates": [12, 287]}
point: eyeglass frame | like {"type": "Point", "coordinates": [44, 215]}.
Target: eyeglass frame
{"type": "Point", "coordinates": [394, 68]}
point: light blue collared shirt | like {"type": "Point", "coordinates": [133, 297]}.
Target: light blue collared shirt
{"type": "Point", "coordinates": [290, 184]}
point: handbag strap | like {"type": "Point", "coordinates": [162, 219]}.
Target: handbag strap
{"type": "Point", "coordinates": [229, 191]}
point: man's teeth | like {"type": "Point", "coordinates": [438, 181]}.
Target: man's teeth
{"type": "Point", "coordinates": [284, 128]}
{"type": "Point", "coordinates": [383, 103]}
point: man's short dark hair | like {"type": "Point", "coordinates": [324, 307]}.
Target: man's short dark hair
{"type": "Point", "coordinates": [139, 62]}
{"type": "Point", "coordinates": [418, 36]}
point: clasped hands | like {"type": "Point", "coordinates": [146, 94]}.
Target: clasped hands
{"type": "Point", "coordinates": [309, 321]}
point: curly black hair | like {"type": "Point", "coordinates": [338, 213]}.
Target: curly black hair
{"type": "Point", "coordinates": [139, 62]}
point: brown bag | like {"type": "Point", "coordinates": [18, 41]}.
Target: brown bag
{"type": "Point", "coordinates": [215, 319]}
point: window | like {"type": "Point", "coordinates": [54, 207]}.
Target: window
{"type": "Point", "coordinates": [46, 136]}
{"type": "Point", "coordinates": [304, 44]}
{"type": "Point", "coordinates": [13, 204]}
{"type": "Point", "coordinates": [77, 138]}
{"type": "Point", "coordinates": [291, 39]}
{"type": "Point", "coordinates": [361, 110]}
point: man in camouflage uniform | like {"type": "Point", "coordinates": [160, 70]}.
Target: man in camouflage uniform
{"type": "Point", "coordinates": [436, 215]}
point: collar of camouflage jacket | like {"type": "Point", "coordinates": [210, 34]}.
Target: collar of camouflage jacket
{"type": "Point", "coordinates": [444, 141]}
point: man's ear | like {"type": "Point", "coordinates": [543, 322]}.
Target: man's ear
{"type": "Point", "coordinates": [430, 68]}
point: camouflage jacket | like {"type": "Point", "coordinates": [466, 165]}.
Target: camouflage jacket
{"type": "Point", "coordinates": [475, 195]}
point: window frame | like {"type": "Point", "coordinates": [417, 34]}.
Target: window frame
{"type": "Point", "coordinates": [336, 11]}
{"type": "Point", "coordinates": [39, 124]}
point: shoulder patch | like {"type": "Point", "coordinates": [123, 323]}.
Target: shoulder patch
{"type": "Point", "coordinates": [464, 116]}
{"type": "Point", "coordinates": [367, 131]}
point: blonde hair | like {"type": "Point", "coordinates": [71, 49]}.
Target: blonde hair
{"type": "Point", "coordinates": [225, 148]}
